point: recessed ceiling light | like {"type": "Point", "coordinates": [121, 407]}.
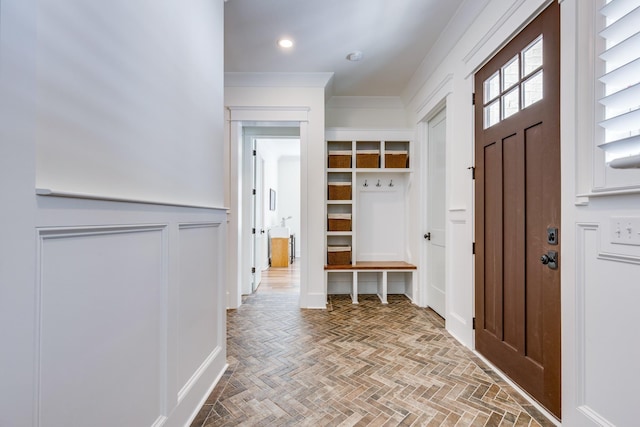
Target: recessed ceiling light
{"type": "Point", "coordinates": [355, 56]}
{"type": "Point", "coordinates": [285, 43]}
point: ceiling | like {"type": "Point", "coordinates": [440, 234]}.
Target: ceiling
{"type": "Point", "coordinates": [395, 36]}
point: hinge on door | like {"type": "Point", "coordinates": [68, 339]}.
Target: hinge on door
{"type": "Point", "coordinates": [473, 323]}
{"type": "Point", "coordinates": [473, 171]}
{"type": "Point", "coordinates": [253, 270]}
{"type": "Point", "coordinates": [473, 248]}
{"type": "Point", "coordinates": [473, 99]}
{"type": "Point", "coordinates": [254, 191]}
{"type": "Point", "coordinates": [254, 152]}
{"type": "Point", "coordinates": [253, 231]}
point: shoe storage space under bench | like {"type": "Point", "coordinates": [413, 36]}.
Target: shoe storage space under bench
{"type": "Point", "coordinates": [371, 277]}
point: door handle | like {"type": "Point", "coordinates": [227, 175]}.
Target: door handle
{"type": "Point", "coordinates": [427, 236]}
{"type": "Point", "coordinates": [550, 259]}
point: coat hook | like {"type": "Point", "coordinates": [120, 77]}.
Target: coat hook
{"type": "Point", "coordinates": [365, 183]}
{"type": "Point", "coordinates": [378, 184]}
{"type": "Point", "coordinates": [391, 183]}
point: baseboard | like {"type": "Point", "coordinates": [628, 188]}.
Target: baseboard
{"type": "Point", "coordinates": [519, 389]}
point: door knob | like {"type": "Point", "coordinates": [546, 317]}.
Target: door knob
{"type": "Point", "coordinates": [427, 236]}
{"type": "Point", "coordinates": [550, 259]}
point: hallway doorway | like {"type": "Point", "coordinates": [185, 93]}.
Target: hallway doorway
{"type": "Point", "coordinates": [278, 181]}
{"type": "Point", "coordinates": [271, 194]}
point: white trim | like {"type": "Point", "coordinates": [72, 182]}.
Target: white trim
{"type": "Point", "coordinates": [455, 30]}
{"type": "Point", "coordinates": [594, 417]}
{"type": "Point", "coordinates": [277, 79]}
{"type": "Point", "coordinates": [238, 118]}
{"type": "Point", "coordinates": [198, 373]}
{"type": "Point", "coordinates": [268, 114]}
{"type": "Point", "coordinates": [520, 391]}
{"type": "Point", "coordinates": [47, 192]}
{"type": "Point", "coordinates": [204, 398]}
{"type": "Point", "coordinates": [438, 95]}
{"type": "Point", "coordinates": [51, 233]}
{"type": "Point", "coordinates": [365, 102]}
{"type": "Point", "coordinates": [500, 34]}
{"type": "Point", "coordinates": [499, 24]}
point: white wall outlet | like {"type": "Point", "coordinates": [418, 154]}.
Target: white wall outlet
{"type": "Point", "coordinates": [625, 230]}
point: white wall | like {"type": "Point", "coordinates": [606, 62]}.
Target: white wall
{"type": "Point", "coordinates": [600, 291]}
{"type": "Point", "coordinates": [110, 123]}
{"type": "Point", "coordinates": [366, 112]}
{"type": "Point", "coordinates": [289, 194]}
{"type": "Point", "coordinates": [270, 183]}
{"type": "Point", "coordinates": [104, 304]}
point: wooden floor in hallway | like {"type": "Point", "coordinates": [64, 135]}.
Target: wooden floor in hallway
{"type": "Point", "coordinates": [352, 365]}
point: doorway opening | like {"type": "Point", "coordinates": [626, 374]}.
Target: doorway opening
{"type": "Point", "coordinates": [271, 196]}
{"type": "Point", "coordinates": [276, 207]}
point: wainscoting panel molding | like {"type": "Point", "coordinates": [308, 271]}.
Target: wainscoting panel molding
{"type": "Point", "coordinates": [199, 339]}
{"type": "Point", "coordinates": [601, 342]}
{"type": "Point", "coordinates": [102, 309]}
{"type": "Point", "coordinates": [459, 300]}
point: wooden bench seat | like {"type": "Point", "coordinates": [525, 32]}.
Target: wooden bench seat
{"type": "Point", "coordinates": [373, 265]}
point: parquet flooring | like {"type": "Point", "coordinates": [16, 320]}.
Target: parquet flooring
{"type": "Point", "coordinates": [353, 365]}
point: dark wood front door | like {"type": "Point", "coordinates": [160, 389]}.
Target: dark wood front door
{"type": "Point", "coordinates": [517, 153]}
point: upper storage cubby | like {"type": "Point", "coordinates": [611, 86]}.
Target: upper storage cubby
{"type": "Point", "coordinates": [339, 154]}
{"type": "Point", "coordinates": [396, 155]}
{"type": "Point", "coordinates": [366, 155]}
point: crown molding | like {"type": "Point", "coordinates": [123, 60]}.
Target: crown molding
{"type": "Point", "coordinates": [241, 79]}
{"type": "Point", "coordinates": [366, 102]}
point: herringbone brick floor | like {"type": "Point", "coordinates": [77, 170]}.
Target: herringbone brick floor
{"type": "Point", "coordinates": [354, 365]}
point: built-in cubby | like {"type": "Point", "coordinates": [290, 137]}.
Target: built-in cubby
{"type": "Point", "coordinates": [368, 174]}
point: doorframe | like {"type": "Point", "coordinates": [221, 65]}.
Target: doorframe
{"type": "Point", "coordinates": [236, 118]}
{"type": "Point", "coordinates": [251, 136]}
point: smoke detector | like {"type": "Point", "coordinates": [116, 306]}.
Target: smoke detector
{"type": "Point", "coordinates": [355, 56]}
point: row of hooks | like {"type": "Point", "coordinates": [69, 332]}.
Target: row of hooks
{"type": "Point", "coordinates": [366, 184]}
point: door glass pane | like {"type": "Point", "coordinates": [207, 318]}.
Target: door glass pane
{"type": "Point", "coordinates": [532, 90]}
{"type": "Point", "coordinates": [511, 73]}
{"type": "Point", "coordinates": [491, 114]}
{"type": "Point", "coordinates": [491, 87]}
{"type": "Point", "coordinates": [510, 103]}
{"type": "Point", "coordinates": [532, 57]}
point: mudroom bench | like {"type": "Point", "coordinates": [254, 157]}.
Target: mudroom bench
{"type": "Point", "coordinates": [368, 277]}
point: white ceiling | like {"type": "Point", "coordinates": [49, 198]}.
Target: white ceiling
{"type": "Point", "coordinates": [394, 35]}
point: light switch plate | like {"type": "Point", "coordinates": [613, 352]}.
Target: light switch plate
{"type": "Point", "coordinates": [625, 230]}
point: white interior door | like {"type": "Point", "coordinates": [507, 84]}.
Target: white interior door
{"type": "Point", "coordinates": [436, 207]}
{"type": "Point", "coordinates": [256, 221]}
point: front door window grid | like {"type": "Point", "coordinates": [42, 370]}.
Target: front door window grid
{"type": "Point", "coordinates": [516, 86]}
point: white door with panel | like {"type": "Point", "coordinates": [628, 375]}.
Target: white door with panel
{"type": "Point", "coordinates": [257, 225]}
{"type": "Point", "coordinates": [436, 208]}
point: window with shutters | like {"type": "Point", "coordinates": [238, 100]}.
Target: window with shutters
{"type": "Point", "coordinates": [620, 83]}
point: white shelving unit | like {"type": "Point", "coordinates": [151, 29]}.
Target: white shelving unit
{"type": "Point", "coordinates": [379, 213]}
